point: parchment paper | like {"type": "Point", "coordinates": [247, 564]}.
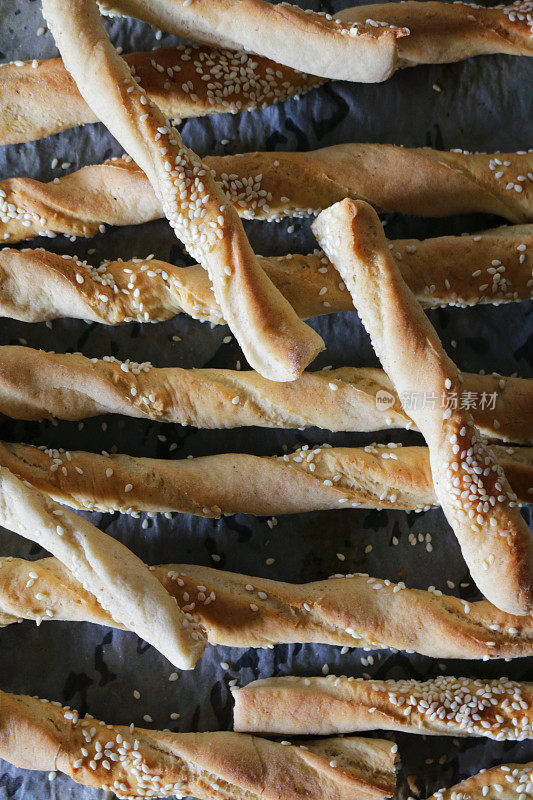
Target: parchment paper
{"type": "Point", "coordinates": [485, 104]}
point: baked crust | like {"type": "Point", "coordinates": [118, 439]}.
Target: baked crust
{"type": "Point", "coordinates": [244, 611]}
{"type": "Point", "coordinates": [499, 709]}
{"type": "Point", "coordinates": [363, 51]}
{"type": "Point", "coordinates": [375, 476]}
{"type": "Point", "coordinates": [508, 780]}
{"type": "Point", "coordinates": [38, 385]}
{"type": "Point", "coordinates": [37, 285]}
{"type": "Point", "coordinates": [445, 32]}
{"type": "Point", "coordinates": [470, 484]}
{"type": "Point", "coordinates": [39, 98]}
{"type": "Point", "coordinates": [424, 182]}
{"type": "Point", "coordinates": [136, 762]}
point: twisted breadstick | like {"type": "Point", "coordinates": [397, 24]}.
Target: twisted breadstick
{"type": "Point", "coordinates": [376, 476]}
{"type": "Point", "coordinates": [437, 32]}
{"type": "Point", "coordinates": [40, 98]}
{"type": "Point", "coordinates": [471, 486]}
{"type": "Point", "coordinates": [118, 581]}
{"type": "Point", "coordinates": [270, 186]}
{"type": "Point", "coordinates": [364, 51]}
{"type": "Point", "coordinates": [37, 385]}
{"type": "Point", "coordinates": [135, 762]}
{"type": "Point", "coordinates": [506, 782]}
{"type": "Point", "coordinates": [35, 285]}
{"type": "Point", "coordinates": [244, 611]}
{"type": "Point", "coordinates": [499, 709]}
{"type": "Point", "coordinates": [274, 339]}
{"type": "Point", "coordinates": [445, 32]}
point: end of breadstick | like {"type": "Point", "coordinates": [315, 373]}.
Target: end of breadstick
{"type": "Point", "coordinates": [356, 217]}
{"type": "Point", "coordinates": [512, 780]}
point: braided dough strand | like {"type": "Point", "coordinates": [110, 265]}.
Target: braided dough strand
{"type": "Point", "coordinates": [120, 582]}
{"type": "Point", "coordinates": [514, 782]}
{"type": "Point", "coordinates": [244, 611]}
{"type": "Point", "coordinates": [37, 285]}
{"type": "Point", "coordinates": [38, 385]}
{"type": "Point", "coordinates": [270, 186]}
{"type": "Point", "coordinates": [363, 51]}
{"type": "Point", "coordinates": [136, 762]}
{"type": "Point", "coordinates": [39, 98]}
{"type": "Point", "coordinates": [499, 709]}
{"type": "Point", "coordinates": [376, 476]}
{"type": "Point", "coordinates": [470, 484]}
{"type": "Point", "coordinates": [274, 339]}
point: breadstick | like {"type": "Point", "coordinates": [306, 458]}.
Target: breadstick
{"type": "Point", "coordinates": [270, 186]}
{"type": "Point", "coordinates": [36, 285]}
{"type": "Point", "coordinates": [445, 32]}
{"type": "Point", "coordinates": [506, 782]}
{"type": "Point", "coordinates": [365, 51]}
{"type": "Point", "coordinates": [38, 385]}
{"type": "Point", "coordinates": [437, 32]}
{"type": "Point", "coordinates": [40, 98]}
{"type": "Point", "coordinates": [136, 762]}
{"type": "Point", "coordinates": [119, 581]}
{"type": "Point", "coordinates": [276, 342]}
{"type": "Point", "coordinates": [244, 611]}
{"type": "Point", "coordinates": [498, 709]}
{"type": "Point", "coordinates": [375, 476]}
{"type": "Point", "coordinates": [470, 484]}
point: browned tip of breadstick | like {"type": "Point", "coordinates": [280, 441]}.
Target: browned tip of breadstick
{"type": "Point", "coordinates": [506, 781]}
{"type": "Point", "coordinates": [471, 486]}
{"type": "Point", "coordinates": [135, 762]}
{"type": "Point", "coordinates": [499, 709]}
{"type": "Point", "coordinates": [245, 611]}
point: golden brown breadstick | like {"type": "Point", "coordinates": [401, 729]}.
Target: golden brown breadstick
{"type": "Point", "coordinates": [119, 581]}
{"type": "Point", "coordinates": [136, 762]}
{"type": "Point", "coordinates": [38, 385]}
{"type": "Point", "coordinates": [499, 709]}
{"type": "Point", "coordinates": [310, 479]}
{"type": "Point", "coordinates": [40, 98]}
{"type": "Point", "coordinates": [445, 32]}
{"type": "Point", "coordinates": [276, 342]}
{"type": "Point", "coordinates": [506, 782]}
{"type": "Point", "coordinates": [470, 484]}
{"type": "Point", "coordinates": [270, 186]}
{"type": "Point", "coordinates": [365, 51]}
{"type": "Point", "coordinates": [35, 285]}
{"type": "Point", "coordinates": [244, 611]}
{"type": "Point", "coordinates": [438, 32]}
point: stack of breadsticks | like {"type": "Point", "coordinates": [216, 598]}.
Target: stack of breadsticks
{"type": "Point", "coordinates": [476, 464]}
